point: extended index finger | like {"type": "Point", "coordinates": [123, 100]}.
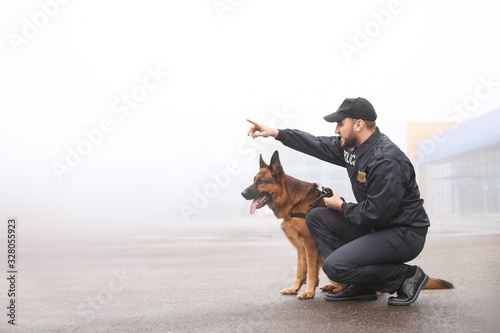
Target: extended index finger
{"type": "Point", "coordinates": [253, 122]}
{"type": "Point", "coordinates": [254, 128]}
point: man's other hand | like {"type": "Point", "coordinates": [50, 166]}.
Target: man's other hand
{"type": "Point", "coordinates": [333, 202]}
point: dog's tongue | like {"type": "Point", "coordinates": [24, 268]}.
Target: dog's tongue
{"type": "Point", "coordinates": [253, 207]}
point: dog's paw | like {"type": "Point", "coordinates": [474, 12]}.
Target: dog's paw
{"type": "Point", "coordinates": [305, 295]}
{"type": "Point", "coordinates": [334, 286]}
{"type": "Point", "coordinates": [327, 287]}
{"type": "Point", "coordinates": [289, 291]}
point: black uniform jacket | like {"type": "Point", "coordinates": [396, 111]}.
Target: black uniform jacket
{"type": "Point", "coordinates": [382, 178]}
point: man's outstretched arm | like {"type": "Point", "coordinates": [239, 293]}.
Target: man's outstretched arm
{"type": "Point", "coordinates": [325, 148]}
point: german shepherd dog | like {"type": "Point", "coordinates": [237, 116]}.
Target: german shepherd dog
{"type": "Point", "coordinates": [290, 199]}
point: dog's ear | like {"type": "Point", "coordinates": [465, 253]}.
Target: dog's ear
{"type": "Point", "coordinates": [262, 164]}
{"type": "Point", "coordinates": [275, 166]}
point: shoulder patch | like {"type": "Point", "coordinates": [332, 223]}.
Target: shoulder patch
{"type": "Point", "coordinates": [361, 177]}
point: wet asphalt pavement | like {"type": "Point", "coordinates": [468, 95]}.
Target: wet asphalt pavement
{"type": "Point", "coordinates": [228, 280]}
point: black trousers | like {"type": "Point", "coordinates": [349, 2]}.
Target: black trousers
{"type": "Point", "coordinates": [357, 255]}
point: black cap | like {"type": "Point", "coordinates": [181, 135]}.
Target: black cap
{"type": "Point", "coordinates": [356, 108]}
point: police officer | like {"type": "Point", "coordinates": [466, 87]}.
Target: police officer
{"type": "Point", "coordinates": [365, 244]}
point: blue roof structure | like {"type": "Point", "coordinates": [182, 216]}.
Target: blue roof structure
{"type": "Point", "coordinates": [477, 133]}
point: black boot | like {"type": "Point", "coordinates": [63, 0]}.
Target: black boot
{"type": "Point", "coordinates": [351, 293]}
{"type": "Point", "coordinates": [410, 288]}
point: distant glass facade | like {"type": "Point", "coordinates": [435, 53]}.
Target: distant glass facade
{"type": "Point", "coordinates": [465, 184]}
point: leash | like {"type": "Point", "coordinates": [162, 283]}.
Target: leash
{"type": "Point", "coordinates": [325, 193]}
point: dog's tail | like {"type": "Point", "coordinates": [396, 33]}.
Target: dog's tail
{"type": "Point", "coordinates": [438, 284]}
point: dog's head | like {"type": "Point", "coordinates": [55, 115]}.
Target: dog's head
{"type": "Point", "coordinates": [267, 184]}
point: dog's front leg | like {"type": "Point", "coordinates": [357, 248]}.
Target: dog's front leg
{"type": "Point", "coordinates": [312, 270]}
{"type": "Point", "coordinates": [301, 272]}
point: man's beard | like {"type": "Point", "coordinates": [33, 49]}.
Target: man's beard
{"type": "Point", "coordinates": [350, 141]}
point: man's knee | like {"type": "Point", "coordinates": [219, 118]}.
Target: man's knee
{"type": "Point", "coordinates": [335, 270]}
{"type": "Point", "coordinates": [311, 217]}
{"type": "Point", "coordinates": [314, 217]}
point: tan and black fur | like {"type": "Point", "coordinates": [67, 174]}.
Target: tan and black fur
{"type": "Point", "coordinates": [287, 197]}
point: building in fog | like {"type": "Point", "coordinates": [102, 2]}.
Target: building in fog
{"type": "Point", "coordinates": [458, 168]}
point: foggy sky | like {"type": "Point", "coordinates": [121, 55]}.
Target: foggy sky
{"type": "Point", "coordinates": [170, 84]}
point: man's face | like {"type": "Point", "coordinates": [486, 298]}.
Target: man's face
{"type": "Point", "coordinates": [345, 129]}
